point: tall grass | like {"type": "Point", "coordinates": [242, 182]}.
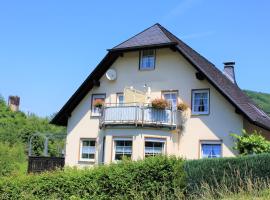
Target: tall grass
{"type": "Point", "coordinates": [241, 188]}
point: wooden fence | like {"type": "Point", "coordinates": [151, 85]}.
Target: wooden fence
{"type": "Point", "coordinates": [41, 164]}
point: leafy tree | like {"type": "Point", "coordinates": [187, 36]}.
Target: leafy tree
{"type": "Point", "coordinates": [253, 143]}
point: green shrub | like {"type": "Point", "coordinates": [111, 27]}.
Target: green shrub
{"type": "Point", "coordinates": [229, 172]}
{"type": "Point", "coordinates": [252, 143]}
{"type": "Point", "coordinates": [126, 180]}
{"type": "Point", "coordinates": [12, 158]}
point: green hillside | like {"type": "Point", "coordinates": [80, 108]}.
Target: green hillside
{"type": "Point", "coordinates": [15, 130]}
{"type": "Point", "coordinates": [261, 99]}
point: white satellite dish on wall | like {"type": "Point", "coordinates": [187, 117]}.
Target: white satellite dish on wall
{"type": "Point", "coordinates": [111, 74]}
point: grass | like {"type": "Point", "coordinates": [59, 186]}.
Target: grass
{"type": "Point", "coordinates": [246, 189]}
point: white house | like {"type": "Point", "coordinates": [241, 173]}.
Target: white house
{"type": "Point", "coordinates": [155, 64]}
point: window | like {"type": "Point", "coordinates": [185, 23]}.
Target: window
{"type": "Point", "coordinates": [95, 97]}
{"type": "Point", "coordinates": [148, 59]}
{"type": "Point", "coordinates": [200, 101]}
{"type": "Point", "coordinates": [211, 150]}
{"type": "Point", "coordinates": [88, 149]}
{"type": "Point", "coordinates": [123, 148]}
{"type": "Point", "coordinates": [120, 98]}
{"type": "Point", "coordinates": [154, 146]}
{"type": "Point", "coordinates": [171, 97]}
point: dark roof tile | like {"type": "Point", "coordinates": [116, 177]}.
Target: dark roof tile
{"type": "Point", "coordinates": [150, 36]}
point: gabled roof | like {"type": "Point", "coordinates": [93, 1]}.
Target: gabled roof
{"type": "Point", "coordinates": [157, 37]}
{"type": "Point", "coordinates": [151, 36]}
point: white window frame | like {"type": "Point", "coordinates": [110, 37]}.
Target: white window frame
{"type": "Point", "coordinates": [115, 139]}
{"type": "Point", "coordinates": [158, 140]}
{"type": "Point", "coordinates": [94, 113]}
{"type": "Point", "coordinates": [209, 142]}
{"type": "Point", "coordinates": [198, 91]}
{"type": "Point", "coordinates": [117, 98]}
{"type": "Point", "coordinates": [81, 149]}
{"type": "Point", "coordinates": [147, 68]}
{"type": "Point", "coordinates": [170, 93]}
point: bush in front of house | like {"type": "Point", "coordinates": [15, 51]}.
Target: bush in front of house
{"type": "Point", "coordinates": [231, 173]}
{"type": "Point", "coordinates": [12, 159]}
{"type": "Point", "coordinates": [251, 143]}
{"type": "Point", "coordinates": [127, 180]}
{"type": "Point", "coordinates": [153, 178]}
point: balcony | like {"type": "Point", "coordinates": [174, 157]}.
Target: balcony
{"type": "Point", "coordinates": [137, 115]}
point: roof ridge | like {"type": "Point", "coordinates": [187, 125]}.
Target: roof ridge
{"type": "Point", "coordinates": [156, 24]}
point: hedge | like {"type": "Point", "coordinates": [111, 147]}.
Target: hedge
{"type": "Point", "coordinates": [229, 172]}
{"type": "Point", "coordinates": [163, 177]}
{"type": "Point", "coordinates": [127, 180]}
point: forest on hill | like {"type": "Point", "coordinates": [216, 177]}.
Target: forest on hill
{"type": "Point", "coordinates": [261, 99]}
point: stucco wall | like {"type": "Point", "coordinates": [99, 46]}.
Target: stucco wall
{"type": "Point", "coordinates": [172, 72]}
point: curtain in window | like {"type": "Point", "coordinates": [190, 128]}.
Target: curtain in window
{"type": "Point", "coordinates": [148, 59]}
{"type": "Point", "coordinates": [88, 149]}
{"type": "Point", "coordinates": [211, 150]}
{"type": "Point", "coordinates": [153, 148]}
{"type": "Point", "coordinates": [201, 102]}
{"type": "Point", "coordinates": [123, 148]}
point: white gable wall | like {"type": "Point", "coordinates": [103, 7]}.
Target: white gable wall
{"type": "Point", "coordinates": [172, 72]}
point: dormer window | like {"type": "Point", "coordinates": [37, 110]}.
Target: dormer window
{"type": "Point", "coordinates": [147, 59]}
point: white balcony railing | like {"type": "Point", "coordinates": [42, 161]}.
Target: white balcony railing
{"type": "Point", "coordinates": [137, 115]}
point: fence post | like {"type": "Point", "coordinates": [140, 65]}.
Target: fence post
{"type": "Point", "coordinates": [46, 146]}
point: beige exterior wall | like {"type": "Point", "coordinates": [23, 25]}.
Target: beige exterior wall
{"type": "Point", "coordinates": [172, 72]}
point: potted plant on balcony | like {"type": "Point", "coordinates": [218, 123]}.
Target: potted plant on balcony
{"type": "Point", "coordinates": [182, 114]}
{"type": "Point", "coordinates": [158, 112]}
{"type": "Point", "coordinates": [98, 104]}
{"type": "Point", "coordinates": [160, 104]}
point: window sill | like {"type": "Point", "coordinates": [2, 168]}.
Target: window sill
{"type": "Point", "coordinates": [95, 115]}
{"type": "Point", "coordinates": [199, 114]}
{"type": "Point", "coordinates": [147, 69]}
{"type": "Point", "coordinates": [86, 161]}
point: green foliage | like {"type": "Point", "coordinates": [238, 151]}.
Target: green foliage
{"type": "Point", "coordinates": [15, 130]}
{"type": "Point", "coordinates": [126, 180]}
{"type": "Point", "coordinates": [12, 158]}
{"type": "Point", "coordinates": [153, 178]}
{"type": "Point", "coordinates": [261, 99]}
{"type": "Point", "coordinates": [16, 127]}
{"type": "Point", "coordinates": [231, 173]}
{"type": "Point", "coordinates": [253, 143]}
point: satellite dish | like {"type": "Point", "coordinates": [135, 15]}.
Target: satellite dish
{"type": "Point", "coordinates": [111, 74]}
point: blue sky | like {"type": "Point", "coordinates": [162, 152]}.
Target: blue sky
{"type": "Point", "coordinates": [48, 48]}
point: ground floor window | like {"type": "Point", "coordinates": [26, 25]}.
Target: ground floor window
{"type": "Point", "coordinates": [154, 146]}
{"type": "Point", "coordinates": [211, 150]}
{"type": "Point", "coordinates": [123, 148]}
{"type": "Point", "coordinates": [87, 149]}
